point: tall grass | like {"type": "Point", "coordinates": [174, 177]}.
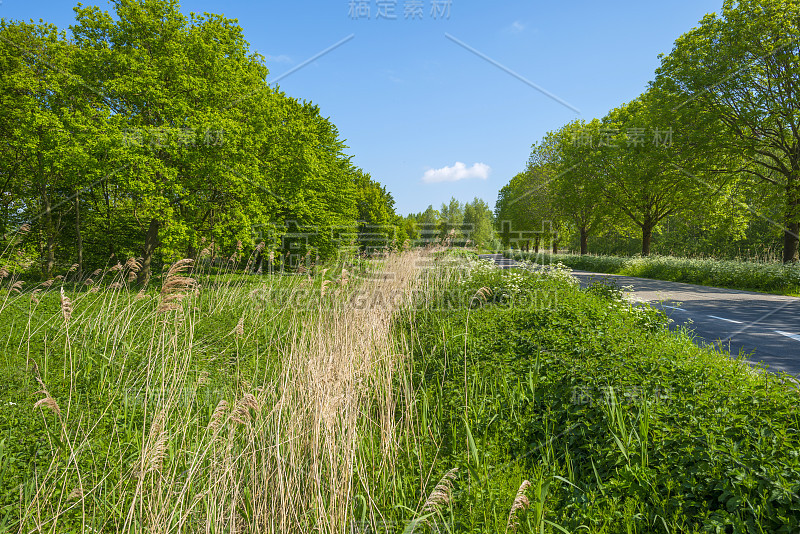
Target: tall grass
{"type": "Point", "coordinates": [209, 403]}
{"type": "Point", "coordinates": [424, 392]}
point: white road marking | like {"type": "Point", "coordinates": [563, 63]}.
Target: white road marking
{"type": "Point", "coordinates": [724, 319]}
{"type": "Point", "coordinates": [672, 307]}
{"type": "Point", "coordinates": [788, 334]}
{"type": "Point", "coordinates": [753, 323]}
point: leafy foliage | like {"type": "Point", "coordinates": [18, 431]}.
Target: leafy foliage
{"type": "Point", "coordinates": [153, 134]}
{"type": "Point", "coordinates": [618, 424]}
{"type": "Point", "coordinates": [710, 147]}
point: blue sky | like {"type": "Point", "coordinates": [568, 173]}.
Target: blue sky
{"type": "Point", "coordinates": [421, 111]}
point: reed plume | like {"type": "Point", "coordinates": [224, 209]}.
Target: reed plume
{"type": "Point", "coordinates": [176, 286]}
{"type": "Point", "coordinates": [16, 287]}
{"type": "Point", "coordinates": [521, 502]}
{"type": "Point", "coordinates": [155, 449]}
{"type": "Point", "coordinates": [47, 401]}
{"type": "Point", "coordinates": [66, 307]}
{"type": "Point", "coordinates": [441, 494]}
{"type": "Point", "coordinates": [218, 416]}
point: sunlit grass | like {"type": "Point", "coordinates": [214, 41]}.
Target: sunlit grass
{"type": "Point", "coordinates": [422, 391]}
{"type": "Point", "coordinates": [222, 402]}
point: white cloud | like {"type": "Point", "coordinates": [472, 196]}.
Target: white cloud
{"type": "Point", "coordinates": [283, 58]}
{"type": "Point", "coordinates": [517, 27]}
{"type": "Point", "coordinates": [457, 172]}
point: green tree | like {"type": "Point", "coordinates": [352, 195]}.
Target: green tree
{"type": "Point", "coordinates": [409, 227]}
{"type": "Point", "coordinates": [451, 221]}
{"type": "Point", "coordinates": [187, 164]}
{"type": "Point", "coordinates": [647, 178]}
{"type": "Point", "coordinates": [376, 217]}
{"type": "Point", "coordinates": [524, 206]}
{"type": "Point", "coordinates": [47, 125]}
{"type": "Point", "coordinates": [429, 225]}
{"type": "Point", "coordinates": [577, 187]}
{"type": "Point", "coordinates": [511, 213]}
{"type": "Point", "coordinates": [479, 223]}
{"type": "Point", "coordinates": [540, 199]}
{"type": "Point", "coordinates": [741, 69]}
{"type": "Point", "coordinates": [308, 171]}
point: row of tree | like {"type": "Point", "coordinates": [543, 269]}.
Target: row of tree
{"type": "Point", "coordinates": [469, 224]}
{"type": "Point", "coordinates": [154, 135]}
{"type": "Point", "coordinates": [714, 140]}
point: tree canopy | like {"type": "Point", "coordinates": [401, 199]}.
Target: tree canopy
{"type": "Point", "coordinates": [154, 135]}
{"type": "Point", "coordinates": [712, 145]}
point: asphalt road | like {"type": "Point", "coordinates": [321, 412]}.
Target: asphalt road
{"type": "Point", "coordinates": [766, 328]}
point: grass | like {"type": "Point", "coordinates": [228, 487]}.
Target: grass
{"type": "Point", "coordinates": [206, 403]}
{"type": "Point", "coordinates": [769, 277]}
{"type": "Point", "coordinates": [616, 423]}
{"type": "Point", "coordinates": [425, 392]}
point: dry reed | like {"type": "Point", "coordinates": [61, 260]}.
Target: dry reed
{"type": "Point", "coordinates": [281, 457]}
{"type": "Point", "coordinates": [521, 502]}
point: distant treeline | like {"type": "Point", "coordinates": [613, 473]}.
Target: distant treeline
{"type": "Point", "coordinates": [705, 162]}
{"type": "Point", "coordinates": [456, 224]}
{"type": "Point", "coordinates": [149, 134]}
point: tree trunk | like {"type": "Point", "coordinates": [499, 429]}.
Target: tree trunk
{"type": "Point", "coordinates": [584, 241]}
{"type": "Point", "coordinates": [536, 245]}
{"type": "Point", "coordinates": [555, 243]}
{"type": "Point", "coordinates": [647, 237]}
{"type": "Point", "coordinates": [791, 232]}
{"type": "Point", "coordinates": [49, 258]}
{"type": "Point", "coordinates": [78, 236]}
{"type": "Point", "coordinates": [791, 253]}
{"type": "Point", "coordinates": [150, 244]}
{"type": "Point", "coordinates": [48, 254]}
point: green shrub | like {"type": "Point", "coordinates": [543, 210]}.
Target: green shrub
{"type": "Point", "coordinates": [619, 424]}
{"type": "Point", "coordinates": [771, 277]}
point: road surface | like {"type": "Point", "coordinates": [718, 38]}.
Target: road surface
{"type": "Point", "coordinates": [764, 327]}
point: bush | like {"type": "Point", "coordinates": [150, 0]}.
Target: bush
{"type": "Point", "coordinates": [618, 424]}
{"type": "Point", "coordinates": [770, 277]}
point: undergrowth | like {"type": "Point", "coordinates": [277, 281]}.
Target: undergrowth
{"type": "Point", "coordinates": [774, 277]}
{"type": "Point", "coordinates": [605, 420]}
{"type": "Point", "coordinates": [427, 393]}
